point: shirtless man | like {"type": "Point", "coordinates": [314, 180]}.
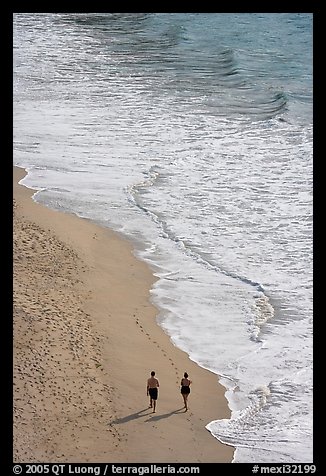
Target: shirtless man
{"type": "Point", "coordinates": [152, 390]}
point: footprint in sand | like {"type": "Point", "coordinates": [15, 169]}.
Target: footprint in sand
{"type": "Point", "coordinates": [163, 351]}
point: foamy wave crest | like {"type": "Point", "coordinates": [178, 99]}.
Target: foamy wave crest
{"type": "Point", "coordinates": [227, 431]}
{"type": "Point", "coordinates": [263, 311]}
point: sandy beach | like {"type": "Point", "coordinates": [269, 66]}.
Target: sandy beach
{"type": "Point", "coordinates": [85, 342]}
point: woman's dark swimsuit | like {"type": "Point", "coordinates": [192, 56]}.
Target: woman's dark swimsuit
{"type": "Point", "coordinates": [185, 389]}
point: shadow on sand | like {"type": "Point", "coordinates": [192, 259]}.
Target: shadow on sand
{"type": "Point", "coordinates": [146, 412]}
{"type": "Point", "coordinates": [157, 417]}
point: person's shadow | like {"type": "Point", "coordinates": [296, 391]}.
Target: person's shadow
{"type": "Point", "coordinates": [132, 416]}
{"type": "Point", "coordinates": [143, 413]}
{"type": "Point", "coordinates": [155, 417]}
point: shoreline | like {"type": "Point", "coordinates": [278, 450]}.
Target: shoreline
{"type": "Point", "coordinates": [85, 341]}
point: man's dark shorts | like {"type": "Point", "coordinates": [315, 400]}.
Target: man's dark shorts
{"type": "Point", "coordinates": [153, 393]}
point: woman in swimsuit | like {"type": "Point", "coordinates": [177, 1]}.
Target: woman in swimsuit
{"type": "Point", "coordinates": [185, 389]}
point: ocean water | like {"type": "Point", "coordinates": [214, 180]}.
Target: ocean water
{"type": "Point", "coordinates": [191, 134]}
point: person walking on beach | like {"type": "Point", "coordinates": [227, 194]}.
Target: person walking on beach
{"type": "Point", "coordinates": [152, 390]}
{"type": "Point", "coordinates": [185, 389]}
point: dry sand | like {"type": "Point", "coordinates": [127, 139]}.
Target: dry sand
{"type": "Point", "coordinates": [85, 341]}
